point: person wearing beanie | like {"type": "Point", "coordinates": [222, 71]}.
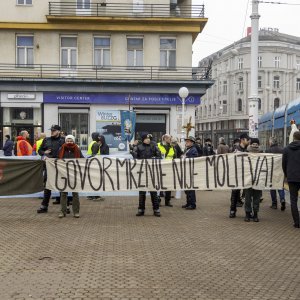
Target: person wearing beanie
{"type": "Point", "coordinates": [236, 193]}
{"type": "Point", "coordinates": [147, 150]}
{"type": "Point", "coordinates": [69, 150]}
{"type": "Point", "coordinates": [252, 196]}
{"type": "Point", "coordinates": [222, 147]}
{"type": "Point", "coordinates": [275, 148]}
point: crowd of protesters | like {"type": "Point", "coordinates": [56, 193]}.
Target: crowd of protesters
{"type": "Point", "coordinates": [63, 146]}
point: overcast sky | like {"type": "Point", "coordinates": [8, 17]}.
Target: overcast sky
{"type": "Point", "coordinates": [229, 19]}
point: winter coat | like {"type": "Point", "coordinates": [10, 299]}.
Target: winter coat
{"type": "Point", "coordinates": [8, 148]}
{"type": "Point", "coordinates": [190, 152]}
{"type": "Point", "coordinates": [104, 149]}
{"type": "Point", "coordinates": [222, 149]}
{"type": "Point", "coordinates": [199, 149]}
{"type": "Point", "coordinates": [275, 149]}
{"type": "Point", "coordinates": [208, 150]}
{"type": "Point", "coordinates": [53, 143]}
{"type": "Point", "coordinates": [291, 162]}
{"type": "Point", "coordinates": [144, 151]}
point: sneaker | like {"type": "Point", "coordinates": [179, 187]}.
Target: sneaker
{"type": "Point", "coordinates": [61, 215]}
{"type": "Point", "coordinates": [156, 213]}
{"type": "Point", "coordinates": [68, 210]}
{"type": "Point", "coordinates": [56, 202]}
{"type": "Point", "coordinates": [232, 214]}
{"type": "Point", "coordinates": [283, 206]}
{"type": "Point", "coordinates": [42, 210]}
{"type": "Point", "coordinates": [76, 215]}
{"type": "Point", "coordinates": [140, 213]}
{"type": "Point", "coordinates": [273, 206]}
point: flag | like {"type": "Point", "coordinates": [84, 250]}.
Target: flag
{"type": "Point", "coordinates": [128, 124]}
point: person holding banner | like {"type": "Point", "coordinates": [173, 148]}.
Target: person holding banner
{"type": "Point", "coordinates": [252, 196]}
{"type": "Point", "coordinates": [69, 150]}
{"type": "Point", "coordinates": [167, 152]}
{"type": "Point", "coordinates": [147, 150]}
{"type": "Point", "coordinates": [291, 169]}
{"type": "Point", "coordinates": [236, 193]}
{"type": "Point", "coordinates": [190, 151]}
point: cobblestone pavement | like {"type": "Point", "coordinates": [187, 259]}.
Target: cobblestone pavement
{"type": "Point", "coordinates": [109, 253]}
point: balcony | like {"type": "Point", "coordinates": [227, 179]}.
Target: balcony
{"type": "Point", "coordinates": [125, 10]}
{"type": "Point", "coordinates": [100, 73]}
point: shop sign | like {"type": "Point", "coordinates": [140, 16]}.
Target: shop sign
{"type": "Point", "coordinates": [120, 98]}
{"type": "Point", "coordinates": [19, 96]}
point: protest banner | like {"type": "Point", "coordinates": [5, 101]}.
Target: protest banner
{"type": "Point", "coordinates": [218, 172]}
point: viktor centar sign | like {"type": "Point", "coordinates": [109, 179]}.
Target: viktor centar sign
{"type": "Point", "coordinates": [219, 172]}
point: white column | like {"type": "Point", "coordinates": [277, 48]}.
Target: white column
{"type": "Point", "coordinates": [253, 99]}
{"type": "Point", "coordinates": [183, 93]}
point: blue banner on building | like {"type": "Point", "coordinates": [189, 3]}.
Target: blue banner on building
{"type": "Point", "coordinates": [128, 124]}
{"type": "Point", "coordinates": [128, 99]}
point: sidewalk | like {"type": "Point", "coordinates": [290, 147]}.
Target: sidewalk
{"type": "Point", "coordinates": [109, 253]}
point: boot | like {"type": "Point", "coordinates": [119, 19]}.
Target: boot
{"type": "Point", "coordinates": [283, 206]}
{"type": "Point", "coordinates": [167, 199]}
{"type": "Point", "coordinates": [274, 206]}
{"type": "Point", "coordinates": [255, 217]}
{"type": "Point", "coordinates": [232, 214]}
{"type": "Point", "coordinates": [247, 217]}
{"type": "Point", "coordinates": [42, 209]}
{"type": "Point", "coordinates": [167, 203]}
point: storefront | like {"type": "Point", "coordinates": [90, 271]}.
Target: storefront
{"type": "Point", "coordinates": [21, 111]}
{"type": "Point", "coordinates": [81, 114]}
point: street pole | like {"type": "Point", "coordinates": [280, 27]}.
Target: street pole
{"type": "Point", "coordinates": [253, 99]}
{"type": "Point", "coordinates": [183, 93]}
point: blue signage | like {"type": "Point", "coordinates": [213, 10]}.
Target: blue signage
{"type": "Point", "coordinates": [132, 99]}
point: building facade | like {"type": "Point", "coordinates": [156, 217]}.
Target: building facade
{"type": "Point", "coordinates": [79, 63]}
{"type": "Point", "coordinates": [223, 111]}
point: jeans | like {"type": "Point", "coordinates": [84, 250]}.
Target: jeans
{"type": "Point", "coordinates": [281, 194]}
{"type": "Point", "coordinates": [294, 189]}
{"type": "Point", "coordinates": [252, 199]}
{"type": "Point", "coordinates": [75, 202]}
{"type": "Point", "coordinates": [235, 197]}
{"type": "Point", "coordinates": [190, 198]}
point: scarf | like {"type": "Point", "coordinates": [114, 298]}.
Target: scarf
{"type": "Point", "coordinates": [69, 147]}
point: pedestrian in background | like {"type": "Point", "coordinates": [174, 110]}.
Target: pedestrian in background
{"type": "Point", "coordinates": [252, 196]}
{"type": "Point", "coordinates": [22, 147]}
{"type": "Point", "coordinates": [8, 146]}
{"type": "Point", "coordinates": [199, 146]}
{"type": "Point", "coordinates": [291, 169]}
{"type": "Point", "coordinates": [222, 147]}
{"type": "Point", "coordinates": [69, 150]}
{"type": "Point", "coordinates": [208, 148]}
{"type": "Point", "coordinates": [275, 148]}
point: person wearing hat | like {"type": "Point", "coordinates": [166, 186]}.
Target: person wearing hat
{"type": "Point", "coordinates": [208, 148]}
{"type": "Point", "coordinates": [252, 196]}
{"type": "Point", "coordinates": [236, 193]}
{"type": "Point", "coordinates": [189, 152]}
{"type": "Point", "coordinates": [168, 152]}
{"type": "Point", "coordinates": [275, 148]}
{"type": "Point", "coordinates": [147, 150]}
{"type": "Point", "coordinates": [49, 148]}
{"type": "Point", "coordinates": [69, 150]}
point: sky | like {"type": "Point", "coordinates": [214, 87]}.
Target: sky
{"type": "Point", "coordinates": [228, 21]}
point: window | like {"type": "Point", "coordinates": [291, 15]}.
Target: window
{"type": "Point", "coordinates": [68, 48]}
{"type": "Point", "coordinates": [241, 83]}
{"type": "Point", "coordinates": [224, 107]}
{"type": "Point", "coordinates": [298, 64]}
{"type": "Point", "coordinates": [259, 61]}
{"type": "Point", "coordinates": [239, 104]}
{"type": "Point", "coordinates": [24, 2]}
{"type": "Point", "coordinates": [240, 63]}
{"type": "Point", "coordinates": [259, 103]}
{"type": "Point", "coordinates": [277, 61]}
{"type": "Point", "coordinates": [298, 84]}
{"type": "Point", "coordinates": [276, 103]}
{"type": "Point", "coordinates": [168, 53]}
{"type": "Point", "coordinates": [276, 82]}
{"type": "Point", "coordinates": [24, 51]}
{"type": "Point", "coordinates": [83, 4]}
{"type": "Point", "coordinates": [135, 52]}
{"type": "Point", "coordinates": [259, 82]}
{"type": "Point", "coordinates": [101, 51]}
{"type": "Point", "coordinates": [225, 87]}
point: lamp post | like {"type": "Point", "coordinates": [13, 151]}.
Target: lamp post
{"type": "Point", "coordinates": [183, 93]}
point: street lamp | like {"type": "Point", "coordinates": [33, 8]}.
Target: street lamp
{"type": "Point", "coordinates": [183, 93]}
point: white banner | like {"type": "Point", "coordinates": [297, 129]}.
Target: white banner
{"type": "Point", "coordinates": [219, 172]}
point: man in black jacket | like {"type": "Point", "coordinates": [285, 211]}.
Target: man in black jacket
{"type": "Point", "coordinates": [49, 148]}
{"type": "Point", "coordinates": [275, 148]}
{"type": "Point", "coordinates": [147, 150]}
{"type": "Point", "coordinates": [8, 146]}
{"type": "Point", "coordinates": [291, 169]}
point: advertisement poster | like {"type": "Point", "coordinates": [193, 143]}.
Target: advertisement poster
{"type": "Point", "coordinates": [108, 124]}
{"type": "Point", "coordinates": [128, 124]}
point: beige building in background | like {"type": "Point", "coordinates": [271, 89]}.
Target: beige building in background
{"type": "Point", "coordinates": [64, 61]}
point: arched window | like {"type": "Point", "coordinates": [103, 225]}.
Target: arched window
{"type": "Point", "coordinates": [259, 104]}
{"type": "Point", "coordinates": [239, 104]}
{"type": "Point", "coordinates": [276, 103]}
